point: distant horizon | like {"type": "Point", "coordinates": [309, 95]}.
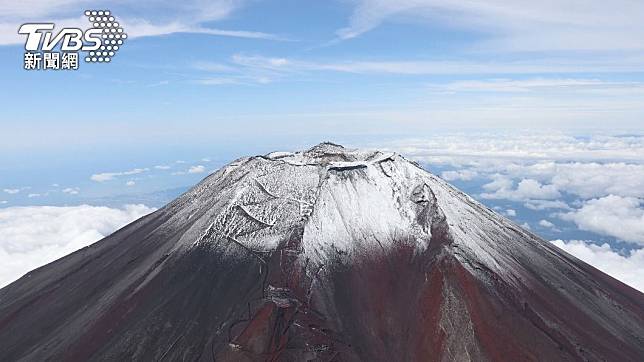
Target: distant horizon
{"type": "Point", "coordinates": [557, 185]}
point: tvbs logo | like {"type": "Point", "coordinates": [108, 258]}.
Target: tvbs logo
{"type": "Point", "coordinates": [100, 43]}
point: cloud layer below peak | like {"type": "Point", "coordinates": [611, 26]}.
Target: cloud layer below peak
{"type": "Point", "coordinates": [36, 235]}
{"type": "Point", "coordinates": [629, 269]}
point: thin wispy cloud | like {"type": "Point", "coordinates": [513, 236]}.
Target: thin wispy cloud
{"type": "Point", "coordinates": [143, 28]}
{"type": "Point", "coordinates": [446, 48]}
{"type": "Point", "coordinates": [139, 19]}
{"type": "Point", "coordinates": [538, 84]}
{"type": "Point", "coordinates": [159, 83]}
{"type": "Point", "coordinates": [108, 176]}
{"type": "Point", "coordinates": [219, 81]}
{"type": "Point", "coordinates": [447, 67]}
{"type": "Point", "coordinates": [217, 73]}
{"type": "Point", "coordinates": [519, 87]}
{"type": "Point", "coordinates": [515, 25]}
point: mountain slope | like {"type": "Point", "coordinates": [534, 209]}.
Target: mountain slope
{"type": "Point", "coordinates": [326, 254]}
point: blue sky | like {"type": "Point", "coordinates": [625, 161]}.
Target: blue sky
{"type": "Point", "coordinates": [200, 77]}
{"type": "Point", "coordinates": [327, 67]}
{"type": "Point", "coordinates": [199, 83]}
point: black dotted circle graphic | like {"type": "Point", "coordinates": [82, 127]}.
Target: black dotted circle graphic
{"type": "Point", "coordinates": [112, 35]}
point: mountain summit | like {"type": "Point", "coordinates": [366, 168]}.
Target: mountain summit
{"type": "Point", "coordinates": [329, 254]}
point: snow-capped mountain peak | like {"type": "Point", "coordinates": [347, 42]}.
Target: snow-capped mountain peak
{"type": "Point", "coordinates": [325, 254]}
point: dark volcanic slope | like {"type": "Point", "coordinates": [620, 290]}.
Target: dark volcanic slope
{"type": "Point", "coordinates": [328, 254]}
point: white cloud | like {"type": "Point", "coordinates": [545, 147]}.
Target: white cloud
{"type": "Point", "coordinates": [463, 175]}
{"type": "Point", "coordinates": [31, 196]}
{"type": "Point", "coordinates": [542, 66]}
{"type": "Point", "coordinates": [370, 14]}
{"type": "Point", "coordinates": [595, 179]}
{"type": "Point", "coordinates": [620, 217]}
{"type": "Point", "coordinates": [162, 167]}
{"type": "Point", "coordinates": [11, 191]}
{"type": "Point", "coordinates": [527, 189]}
{"type": "Point", "coordinates": [540, 85]}
{"type": "Point", "coordinates": [166, 17]}
{"type": "Point", "coordinates": [234, 74]}
{"type": "Point", "coordinates": [511, 212]}
{"type": "Point", "coordinates": [71, 190]}
{"type": "Point", "coordinates": [548, 225]}
{"type": "Point", "coordinates": [515, 25]}
{"type": "Point", "coordinates": [142, 28]}
{"type": "Point", "coordinates": [539, 205]}
{"type": "Point", "coordinates": [526, 226]}
{"type": "Point", "coordinates": [628, 269]}
{"type": "Point", "coordinates": [214, 67]}
{"type": "Point", "coordinates": [503, 150]}
{"type": "Point", "coordinates": [589, 179]}
{"type": "Point", "coordinates": [130, 183]}
{"type": "Point", "coordinates": [585, 179]}
{"type": "Point", "coordinates": [135, 27]}
{"type": "Point", "coordinates": [34, 236]}
{"type": "Point", "coordinates": [107, 176]}
{"type": "Point", "coordinates": [236, 33]}
{"type": "Point", "coordinates": [219, 81]}
{"type": "Point", "coordinates": [191, 170]}
{"type": "Point", "coordinates": [159, 83]}
{"type": "Point", "coordinates": [2, 202]}
{"type": "Point", "coordinates": [196, 169]}
{"type": "Point", "coordinates": [587, 167]}
{"type": "Point", "coordinates": [499, 182]}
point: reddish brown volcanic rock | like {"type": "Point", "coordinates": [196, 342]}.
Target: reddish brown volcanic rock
{"type": "Point", "coordinates": [326, 255]}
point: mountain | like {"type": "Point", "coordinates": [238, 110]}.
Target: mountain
{"type": "Point", "coordinates": [330, 254]}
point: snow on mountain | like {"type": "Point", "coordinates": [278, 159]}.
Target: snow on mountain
{"type": "Point", "coordinates": [325, 254]}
